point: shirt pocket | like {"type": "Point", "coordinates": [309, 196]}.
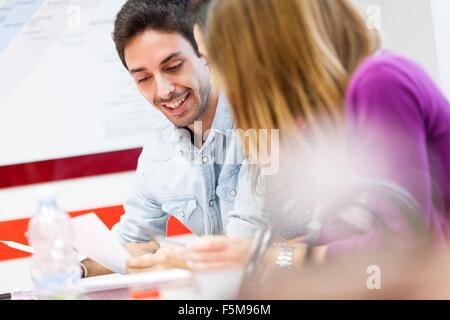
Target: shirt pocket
{"type": "Point", "coordinates": [180, 207]}
{"type": "Point", "coordinates": [228, 183]}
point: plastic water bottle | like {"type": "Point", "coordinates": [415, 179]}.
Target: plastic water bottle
{"type": "Point", "coordinates": [55, 269]}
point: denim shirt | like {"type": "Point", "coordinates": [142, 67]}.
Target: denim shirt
{"type": "Point", "coordinates": [174, 178]}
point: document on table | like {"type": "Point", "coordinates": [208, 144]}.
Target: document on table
{"type": "Point", "coordinates": [176, 241]}
{"type": "Point", "coordinates": [96, 241]}
{"type": "Point", "coordinates": [154, 278]}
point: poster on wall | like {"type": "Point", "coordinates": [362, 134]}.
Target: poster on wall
{"type": "Point", "coordinates": [64, 91]}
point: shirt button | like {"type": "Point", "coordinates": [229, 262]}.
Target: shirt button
{"type": "Point", "coordinates": [205, 159]}
{"type": "Point", "coordinates": [211, 203]}
{"type": "Point", "coordinates": [183, 214]}
{"type": "Point", "coordinates": [233, 193]}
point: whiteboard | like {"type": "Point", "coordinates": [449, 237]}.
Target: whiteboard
{"type": "Point", "coordinates": [63, 89]}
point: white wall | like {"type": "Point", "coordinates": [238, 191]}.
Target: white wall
{"type": "Point", "coordinates": [407, 27]}
{"type": "Point", "coordinates": [440, 10]}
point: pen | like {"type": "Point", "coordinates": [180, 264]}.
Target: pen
{"type": "Point", "coordinates": [5, 296]}
{"type": "Point", "coordinates": [18, 246]}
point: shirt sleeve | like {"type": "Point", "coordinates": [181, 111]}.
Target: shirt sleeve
{"type": "Point", "coordinates": [248, 214]}
{"type": "Point", "coordinates": [143, 218]}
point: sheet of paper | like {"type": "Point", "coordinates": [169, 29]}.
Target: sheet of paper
{"type": "Point", "coordinates": [177, 241]}
{"type": "Point", "coordinates": [115, 281]}
{"type": "Point", "coordinates": [96, 241]}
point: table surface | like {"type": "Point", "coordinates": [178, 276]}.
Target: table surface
{"type": "Point", "coordinates": [201, 287]}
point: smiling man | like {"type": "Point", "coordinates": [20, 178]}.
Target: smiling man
{"type": "Point", "coordinates": [182, 170]}
{"type": "Point", "coordinates": [173, 78]}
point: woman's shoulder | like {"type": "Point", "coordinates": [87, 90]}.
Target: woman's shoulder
{"type": "Point", "coordinates": [393, 86]}
{"type": "Point", "coordinates": [390, 79]}
{"type": "Point", "coordinates": [387, 70]}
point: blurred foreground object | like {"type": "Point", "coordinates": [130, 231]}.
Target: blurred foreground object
{"type": "Point", "coordinates": [373, 274]}
{"type": "Point", "coordinates": [384, 251]}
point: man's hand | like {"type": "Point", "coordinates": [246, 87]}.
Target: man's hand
{"type": "Point", "coordinates": [134, 249]}
{"type": "Point", "coordinates": [94, 269]}
{"type": "Point", "coordinates": [165, 258]}
{"type": "Point", "coordinates": [140, 249]}
{"type": "Point", "coordinates": [218, 252]}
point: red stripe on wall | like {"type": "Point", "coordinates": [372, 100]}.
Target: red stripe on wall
{"type": "Point", "coordinates": [68, 168]}
{"type": "Point", "coordinates": [14, 230]}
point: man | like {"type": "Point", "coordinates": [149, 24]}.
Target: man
{"type": "Point", "coordinates": [181, 170]}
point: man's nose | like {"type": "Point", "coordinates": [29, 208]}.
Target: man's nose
{"type": "Point", "coordinates": [165, 89]}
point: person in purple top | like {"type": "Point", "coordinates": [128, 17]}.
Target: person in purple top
{"type": "Point", "coordinates": [293, 65]}
{"type": "Point", "coordinates": [395, 109]}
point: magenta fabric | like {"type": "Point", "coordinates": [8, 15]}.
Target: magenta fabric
{"type": "Point", "coordinates": [399, 120]}
{"type": "Point", "coordinates": [400, 116]}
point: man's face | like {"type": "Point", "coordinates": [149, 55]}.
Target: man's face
{"type": "Point", "coordinates": [169, 74]}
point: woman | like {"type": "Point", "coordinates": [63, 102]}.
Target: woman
{"type": "Point", "coordinates": [290, 62]}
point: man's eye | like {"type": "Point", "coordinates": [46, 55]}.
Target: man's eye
{"type": "Point", "coordinates": [144, 80]}
{"type": "Point", "coordinates": [175, 67]}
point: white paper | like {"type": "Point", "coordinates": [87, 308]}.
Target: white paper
{"type": "Point", "coordinates": [177, 241]}
{"type": "Point", "coordinates": [115, 281]}
{"type": "Point", "coordinates": [95, 240]}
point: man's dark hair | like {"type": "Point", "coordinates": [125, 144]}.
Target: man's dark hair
{"type": "Point", "coordinates": [199, 12]}
{"type": "Point", "coordinates": [136, 16]}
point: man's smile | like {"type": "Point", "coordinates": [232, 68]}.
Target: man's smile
{"type": "Point", "coordinates": [178, 106]}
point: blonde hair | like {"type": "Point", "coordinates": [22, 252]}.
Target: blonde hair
{"type": "Point", "coordinates": [284, 60]}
